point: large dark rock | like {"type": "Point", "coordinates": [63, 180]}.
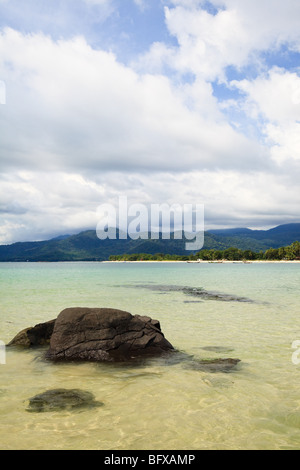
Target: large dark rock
{"type": "Point", "coordinates": [38, 335]}
{"type": "Point", "coordinates": [104, 334]}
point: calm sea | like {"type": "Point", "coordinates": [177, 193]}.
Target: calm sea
{"type": "Point", "coordinates": [156, 405]}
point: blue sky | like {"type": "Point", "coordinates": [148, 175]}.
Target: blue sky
{"type": "Point", "coordinates": [164, 101]}
{"type": "Point", "coordinates": [124, 26]}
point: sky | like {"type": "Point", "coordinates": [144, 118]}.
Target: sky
{"type": "Point", "coordinates": [161, 101]}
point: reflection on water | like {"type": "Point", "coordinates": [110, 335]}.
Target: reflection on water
{"type": "Point", "coordinates": [161, 403]}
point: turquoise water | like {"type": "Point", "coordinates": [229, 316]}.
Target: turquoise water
{"type": "Point", "coordinates": [159, 406]}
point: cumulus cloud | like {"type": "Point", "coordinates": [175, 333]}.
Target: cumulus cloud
{"type": "Point", "coordinates": [78, 108]}
{"type": "Point", "coordinates": [231, 34]}
{"type": "Point", "coordinates": [38, 204]}
{"type": "Point", "coordinates": [274, 95]}
{"type": "Point", "coordinates": [274, 98]}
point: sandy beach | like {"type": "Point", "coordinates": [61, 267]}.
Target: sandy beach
{"type": "Point", "coordinates": [209, 262]}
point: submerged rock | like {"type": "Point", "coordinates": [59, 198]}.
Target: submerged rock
{"type": "Point", "coordinates": [104, 334]}
{"type": "Point", "coordinates": [198, 292]}
{"type": "Point", "coordinates": [218, 349]}
{"type": "Point", "coordinates": [213, 365]}
{"type": "Point", "coordinates": [38, 335]}
{"type": "Point", "coordinates": [189, 361]}
{"type": "Point", "coordinates": [212, 295]}
{"type": "Point", "coordinates": [62, 399]}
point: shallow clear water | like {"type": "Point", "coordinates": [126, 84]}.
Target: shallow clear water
{"type": "Point", "coordinates": [156, 405]}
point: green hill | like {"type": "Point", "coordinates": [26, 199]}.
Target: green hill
{"type": "Point", "coordinates": [86, 246]}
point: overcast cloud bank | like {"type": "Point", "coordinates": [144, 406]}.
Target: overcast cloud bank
{"type": "Point", "coordinates": [206, 110]}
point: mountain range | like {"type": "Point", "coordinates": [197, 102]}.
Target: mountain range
{"type": "Point", "coordinates": [86, 246]}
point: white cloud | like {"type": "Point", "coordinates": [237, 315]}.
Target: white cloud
{"type": "Point", "coordinates": [275, 95]}
{"type": "Point", "coordinates": [38, 204]}
{"type": "Point", "coordinates": [285, 142]}
{"type": "Point", "coordinates": [274, 98]}
{"type": "Point", "coordinates": [78, 108]}
{"type": "Point", "coordinates": [269, 22]}
{"type": "Point", "coordinates": [234, 35]}
{"type": "Point", "coordinates": [207, 43]}
{"type": "Point", "coordinates": [49, 204]}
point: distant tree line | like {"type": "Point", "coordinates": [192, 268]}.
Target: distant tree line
{"type": "Point", "coordinates": [291, 252]}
